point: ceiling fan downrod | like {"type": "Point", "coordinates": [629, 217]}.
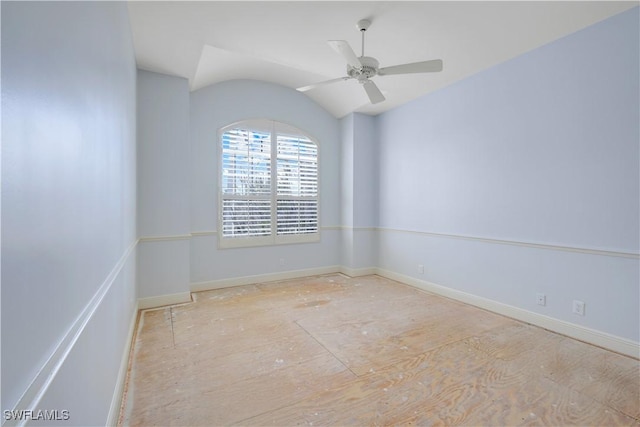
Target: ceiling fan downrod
{"type": "Point", "coordinates": [363, 25]}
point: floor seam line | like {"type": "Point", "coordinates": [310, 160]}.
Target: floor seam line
{"type": "Point", "coordinates": [329, 351]}
{"type": "Point", "coordinates": [239, 423]}
{"type": "Point", "coordinates": [173, 334]}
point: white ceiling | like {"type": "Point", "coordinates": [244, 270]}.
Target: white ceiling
{"type": "Point", "coordinates": [286, 42]}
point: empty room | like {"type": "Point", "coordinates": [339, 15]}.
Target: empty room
{"type": "Point", "coordinates": [320, 213]}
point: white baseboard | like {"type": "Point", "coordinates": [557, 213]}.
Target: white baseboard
{"type": "Point", "coordinates": [357, 272]}
{"type": "Point", "coordinates": [260, 278]}
{"type": "Point", "coordinates": [592, 336]}
{"type": "Point", "coordinates": [161, 300]}
{"type": "Point", "coordinates": [116, 400]}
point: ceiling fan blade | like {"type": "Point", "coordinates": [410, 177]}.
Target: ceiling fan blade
{"type": "Point", "coordinates": [315, 85]}
{"type": "Point", "coordinates": [432, 66]}
{"type": "Point", "coordinates": [343, 48]}
{"type": "Point", "coordinates": [373, 92]}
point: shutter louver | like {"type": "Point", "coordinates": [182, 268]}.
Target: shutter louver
{"type": "Point", "coordinates": [246, 218]}
{"type": "Point", "coordinates": [297, 216]}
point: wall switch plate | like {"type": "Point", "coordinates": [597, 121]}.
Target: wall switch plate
{"type": "Point", "coordinates": [420, 268]}
{"type": "Point", "coordinates": [541, 299]}
{"type": "Point", "coordinates": [578, 307]}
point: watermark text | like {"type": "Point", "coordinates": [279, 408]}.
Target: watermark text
{"type": "Point", "coordinates": [36, 415]}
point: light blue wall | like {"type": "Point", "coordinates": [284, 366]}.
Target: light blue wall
{"type": "Point", "coordinates": [163, 149]}
{"type": "Point", "coordinates": [216, 106]}
{"type": "Point", "coordinates": [359, 188]}
{"type": "Point", "coordinates": [347, 141]}
{"type": "Point", "coordinates": [68, 202]}
{"type": "Point", "coordinates": [541, 149]}
{"type": "Point", "coordinates": [365, 171]}
{"type": "Point", "coordinates": [347, 136]}
{"type": "Point", "coordinates": [163, 184]}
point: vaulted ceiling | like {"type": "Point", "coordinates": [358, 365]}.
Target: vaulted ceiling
{"type": "Point", "coordinates": [286, 42]}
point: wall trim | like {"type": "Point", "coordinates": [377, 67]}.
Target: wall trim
{"type": "Point", "coordinates": [162, 300]}
{"type": "Point", "coordinates": [591, 336]}
{"type": "Point", "coordinates": [203, 233]}
{"type": "Point", "coordinates": [165, 238]}
{"type": "Point", "coordinates": [348, 227]}
{"type": "Point", "coordinates": [48, 371]}
{"type": "Point", "coordinates": [269, 277]}
{"type": "Point", "coordinates": [583, 250]}
{"type": "Point", "coordinates": [332, 227]}
{"type": "Point", "coordinates": [215, 233]}
{"type": "Point", "coordinates": [328, 228]}
{"type": "Point", "coordinates": [116, 400]}
{"type": "Point", "coordinates": [576, 249]}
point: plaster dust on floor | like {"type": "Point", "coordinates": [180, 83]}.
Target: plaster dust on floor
{"type": "Point", "coordinates": [335, 350]}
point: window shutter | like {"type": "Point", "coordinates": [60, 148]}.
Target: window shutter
{"type": "Point", "coordinates": [268, 185]}
{"type": "Point", "coordinates": [246, 183]}
{"type": "Point", "coordinates": [246, 162]}
{"type": "Point", "coordinates": [297, 205]}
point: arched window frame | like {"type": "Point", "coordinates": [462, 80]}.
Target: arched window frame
{"type": "Point", "coordinates": [279, 228]}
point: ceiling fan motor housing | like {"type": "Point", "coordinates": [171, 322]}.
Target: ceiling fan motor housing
{"type": "Point", "coordinates": [369, 68]}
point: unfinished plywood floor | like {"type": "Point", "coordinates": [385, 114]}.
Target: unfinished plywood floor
{"type": "Point", "coordinates": [334, 350]}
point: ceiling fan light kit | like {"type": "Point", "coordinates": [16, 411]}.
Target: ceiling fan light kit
{"type": "Point", "coordinates": [363, 68]}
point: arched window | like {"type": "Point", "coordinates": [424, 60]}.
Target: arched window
{"type": "Point", "coordinates": [268, 185]}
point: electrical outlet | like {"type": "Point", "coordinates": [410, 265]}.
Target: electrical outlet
{"type": "Point", "coordinates": [420, 268]}
{"type": "Point", "coordinates": [541, 299]}
{"type": "Point", "coordinates": [578, 307]}
{"type": "Point", "coordinates": [281, 261]}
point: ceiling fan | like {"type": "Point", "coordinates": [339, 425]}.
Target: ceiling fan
{"type": "Point", "coordinates": [363, 68]}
